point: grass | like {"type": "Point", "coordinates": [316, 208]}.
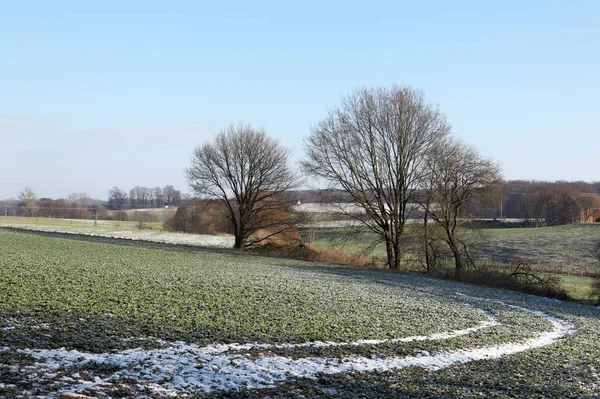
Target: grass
{"type": "Point", "coordinates": [100, 298]}
{"type": "Point", "coordinates": [160, 215]}
{"type": "Point", "coordinates": [336, 238]}
{"type": "Point", "coordinates": [566, 250]}
{"type": "Point", "coordinates": [562, 249]}
{"type": "Point", "coordinates": [579, 288]}
{"type": "Point", "coordinates": [232, 297]}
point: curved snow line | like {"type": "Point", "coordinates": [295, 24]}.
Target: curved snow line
{"type": "Point", "coordinates": [491, 322]}
{"type": "Point", "coordinates": [190, 368]}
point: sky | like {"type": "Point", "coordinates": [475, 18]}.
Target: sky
{"type": "Point", "coordinates": [101, 94]}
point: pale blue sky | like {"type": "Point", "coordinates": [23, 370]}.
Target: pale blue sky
{"type": "Point", "coordinates": [94, 95]}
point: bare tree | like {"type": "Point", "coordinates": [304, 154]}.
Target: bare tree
{"type": "Point", "coordinates": [563, 208]}
{"type": "Point", "coordinates": [117, 197]}
{"type": "Point", "coordinates": [157, 196]}
{"type": "Point", "coordinates": [140, 197]}
{"type": "Point", "coordinates": [457, 175]}
{"type": "Point", "coordinates": [79, 203]}
{"type": "Point", "coordinates": [28, 199]}
{"type": "Point", "coordinates": [588, 205]}
{"type": "Point", "coordinates": [133, 199]}
{"type": "Point", "coordinates": [144, 194]}
{"type": "Point", "coordinates": [169, 194]}
{"type": "Point", "coordinates": [178, 197]}
{"type": "Point", "coordinates": [248, 172]}
{"type": "Point", "coordinates": [540, 204]}
{"type": "Point", "coordinates": [372, 147]}
{"type": "Point", "coordinates": [78, 199]}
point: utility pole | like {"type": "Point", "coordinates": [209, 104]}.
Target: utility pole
{"type": "Point", "coordinates": [95, 216]}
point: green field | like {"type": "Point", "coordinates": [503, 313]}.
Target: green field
{"type": "Point", "coordinates": [579, 288]}
{"type": "Point", "coordinates": [59, 295]}
{"type": "Point", "coordinates": [567, 249]}
{"type": "Point", "coordinates": [564, 249]}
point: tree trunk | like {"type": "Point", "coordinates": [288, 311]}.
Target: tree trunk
{"type": "Point", "coordinates": [458, 263]}
{"type": "Point", "coordinates": [397, 255]}
{"type": "Point", "coordinates": [426, 239]}
{"type": "Point", "coordinates": [238, 233]}
{"type": "Point", "coordinates": [390, 254]}
{"type": "Point", "coordinates": [239, 240]}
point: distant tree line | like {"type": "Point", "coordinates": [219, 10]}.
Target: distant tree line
{"type": "Point", "coordinates": [143, 197]}
{"type": "Point", "coordinates": [547, 203]}
{"type": "Point", "coordinates": [74, 206]}
{"type": "Point", "coordinates": [81, 206]}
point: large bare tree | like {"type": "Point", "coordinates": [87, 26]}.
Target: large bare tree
{"type": "Point", "coordinates": [372, 147]}
{"type": "Point", "coordinates": [457, 176]}
{"type": "Point", "coordinates": [248, 172]}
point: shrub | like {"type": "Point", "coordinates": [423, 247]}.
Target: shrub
{"type": "Point", "coordinates": [121, 216]}
{"type": "Point", "coordinates": [143, 217]}
{"type": "Point", "coordinates": [200, 217]}
{"type": "Point", "coordinates": [317, 254]}
{"type": "Point", "coordinates": [278, 228]}
{"type": "Point", "coordinates": [521, 279]}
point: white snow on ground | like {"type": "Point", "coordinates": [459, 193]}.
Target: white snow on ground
{"type": "Point", "coordinates": [318, 207]}
{"type": "Point", "coordinates": [199, 240]}
{"type": "Point", "coordinates": [186, 368]}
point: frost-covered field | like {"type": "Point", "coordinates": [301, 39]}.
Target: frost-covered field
{"type": "Point", "coordinates": [199, 240]}
{"type": "Point", "coordinates": [99, 319]}
{"type": "Point", "coordinates": [560, 248]}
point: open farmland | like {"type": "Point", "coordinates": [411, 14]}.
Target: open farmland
{"type": "Point", "coordinates": [564, 249]}
{"type": "Point", "coordinates": [127, 233]}
{"type": "Point", "coordinates": [567, 248]}
{"type": "Point", "coordinates": [98, 319]}
{"type": "Point", "coordinates": [71, 223]}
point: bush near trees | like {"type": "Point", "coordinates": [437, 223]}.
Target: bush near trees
{"type": "Point", "coordinates": [200, 217]}
{"type": "Point", "coordinates": [274, 233]}
{"type": "Point", "coordinates": [121, 216]}
{"type": "Point", "coordinates": [211, 217]}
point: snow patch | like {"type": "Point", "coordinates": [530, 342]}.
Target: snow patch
{"type": "Point", "coordinates": [199, 240]}
{"type": "Point", "coordinates": [187, 368]}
